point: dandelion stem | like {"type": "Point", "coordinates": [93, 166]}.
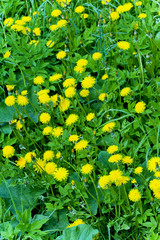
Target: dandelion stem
{"type": "Point", "coordinates": [127, 198]}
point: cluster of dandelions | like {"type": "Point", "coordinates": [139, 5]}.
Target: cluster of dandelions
{"type": "Point", "coordinates": [40, 165]}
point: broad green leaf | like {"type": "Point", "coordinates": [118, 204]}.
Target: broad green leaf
{"type": "Point", "coordinates": [81, 232]}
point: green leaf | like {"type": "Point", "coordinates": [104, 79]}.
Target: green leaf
{"type": "Point", "coordinates": [25, 195]}
{"type": "Point", "coordinates": [80, 232]}
{"type": "Point", "coordinates": [7, 113]}
{"type": "Point", "coordinates": [157, 39]}
{"type": "Point", "coordinates": [103, 158]}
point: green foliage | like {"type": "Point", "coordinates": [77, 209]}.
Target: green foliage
{"type": "Point", "coordinates": [78, 233]}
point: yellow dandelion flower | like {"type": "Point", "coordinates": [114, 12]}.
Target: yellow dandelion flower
{"type": "Point", "coordinates": [48, 155]}
{"type": "Point", "coordinates": [26, 18]}
{"type": "Point", "coordinates": [134, 181]}
{"type": "Point", "coordinates": [157, 194]}
{"type": "Point", "coordinates": [84, 15]}
{"type": "Point", "coordinates": [29, 156]}
{"type": "Point", "coordinates": [64, 104]}
{"type": "Point", "coordinates": [114, 16]}
{"type": "Point", "coordinates": [76, 223]}
{"type": "Point", "coordinates": [153, 164]}
{"type": "Point", "coordinates": [122, 180]}
{"type": "Point", "coordinates": [22, 100]}
{"type": "Point", "coordinates": [104, 181]}
{"type": "Point", "coordinates": [17, 27]}
{"type": "Point", "coordinates": [14, 121]}
{"type": "Point", "coordinates": [63, 3]}
{"type": "Point", "coordinates": [50, 168]}
{"type": "Point", "coordinates": [69, 82]}
{"type": "Point", "coordinates": [54, 99]}
{"type": "Point", "coordinates": [115, 175]}
{"type": "Point", "coordinates": [139, 3]}
{"type": "Point", "coordinates": [38, 80]}
{"type": "Point", "coordinates": [87, 169]}
{"type": "Point", "coordinates": [73, 138]}
{"type": "Point", "coordinates": [104, 2]}
{"type": "Point", "coordinates": [125, 91]}
{"type": "Point", "coordinates": [8, 22]}
{"type": "Point", "coordinates": [70, 92]}
{"type": "Point", "coordinates": [72, 118]}
{"type": "Point", "coordinates": [35, 42]}
{"type": "Point", "coordinates": [44, 91]}
{"type": "Point", "coordinates": [53, 27]}
{"type": "Point", "coordinates": [127, 160]}
{"type": "Point", "coordinates": [123, 45]}
{"type": "Point", "coordinates": [81, 145]}
{"type": "Point", "coordinates": [39, 165]}
{"type": "Point", "coordinates": [134, 195]}
{"type": "Point", "coordinates": [79, 69]}
{"type": "Point", "coordinates": [61, 55]}
{"type": "Point", "coordinates": [108, 127]}
{"type": "Point", "coordinates": [7, 54]}
{"type": "Point", "coordinates": [24, 92]}
{"type": "Point", "coordinates": [79, 9]}
{"type": "Point", "coordinates": [105, 76]}
{"type": "Point", "coordinates": [47, 130]}
{"type": "Point", "coordinates": [154, 184]}
{"type": "Point", "coordinates": [44, 98]}
{"type": "Point", "coordinates": [140, 107]}
{"type": "Point", "coordinates": [55, 77]}
{"type": "Point", "coordinates": [127, 7]}
{"type": "Point", "coordinates": [82, 62]}
{"type": "Point", "coordinates": [142, 15]}
{"type": "Point", "coordinates": [35, 13]}
{"type": "Point", "coordinates": [19, 125]}
{"type": "Point", "coordinates": [26, 30]}
{"type": "Point", "coordinates": [10, 100]}
{"type": "Point", "coordinates": [57, 132]}
{"type": "Point", "coordinates": [90, 116]}
{"type": "Point", "coordinates": [21, 163]}
{"type": "Point", "coordinates": [61, 174]}
{"type": "Point", "coordinates": [120, 9]}
{"type": "Point", "coordinates": [56, 13]}
{"type": "Point", "coordinates": [138, 170]}
{"type": "Point", "coordinates": [45, 117]}
{"type": "Point", "coordinates": [157, 174]}
{"type": "Point", "coordinates": [102, 96]}
{"type": "Point", "coordinates": [96, 56]}
{"type": "Point", "coordinates": [20, 22]}
{"type": "Point", "coordinates": [37, 31]}
{"type": "Point", "coordinates": [10, 87]}
{"type": "Point", "coordinates": [61, 23]}
{"type": "Point", "coordinates": [112, 149]}
{"type": "Point", "coordinates": [58, 155]}
{"type": "Point", "coordinates": [50, 43]}
{"type": "Point", "coordinates": [115, 158]}
{"type": "Point", "coordinates": [88, 82]}
{"type": "Point", "coordinates": [8, 151]}
{"type": "Point", "coordinates": [84, 93]}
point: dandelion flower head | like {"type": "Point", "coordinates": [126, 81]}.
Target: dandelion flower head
{"type": "Point", "coordinates": [45, 117]}
{"type": "Point", "coordinates": [140, 107]}
{"type": "Point", "coordinates": [61, 174]}
{"type": "Point", "coordinates": [8, 151]}
{"type": "Point", "coordinates": [112, 149]}
{"type": "Point", "coordinates": [87, 168]}
{"type": "Point", "coordinates": [134, 195]}
{"type": "Point", "coordinates": [81, 145]}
